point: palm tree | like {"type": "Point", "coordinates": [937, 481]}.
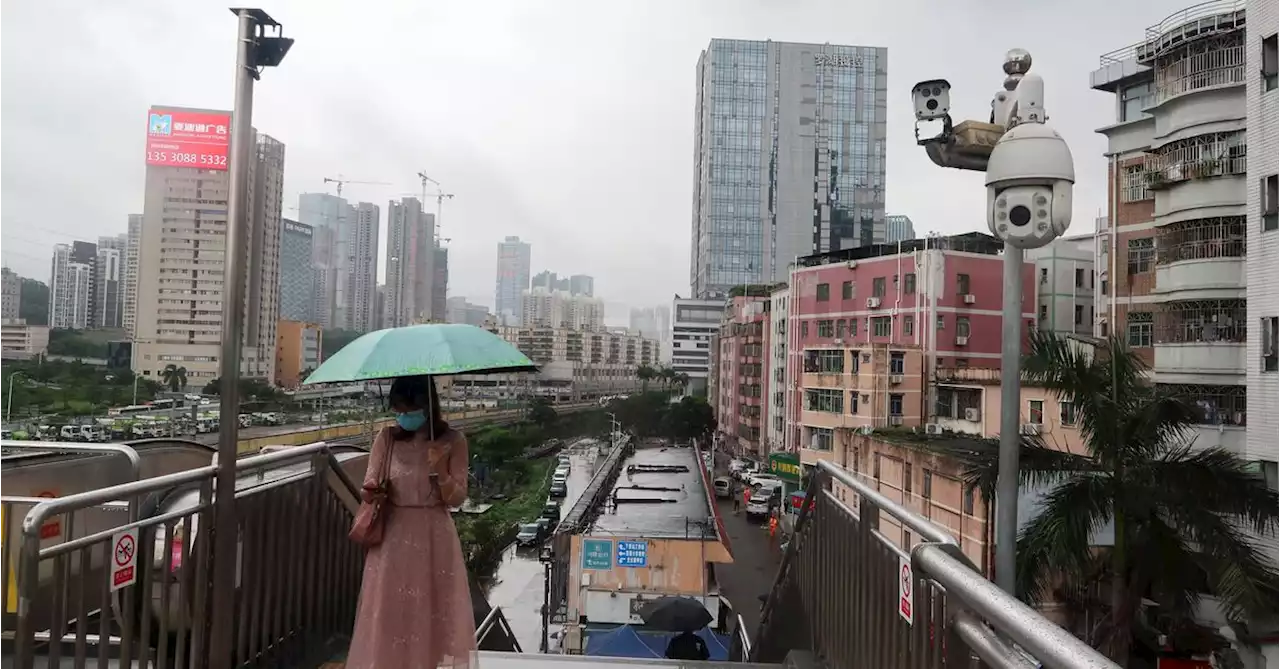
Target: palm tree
{"type": "Point", "coordinates": [681, 380]}
{"type": "Point", "coordinates": [1181, 514]}
{"type": "Point", "coordinates": [645, 373]}
{"type": "Point", "coordinates": [175, 377]}
{"type": "Point", "coordinates": [667, 375]}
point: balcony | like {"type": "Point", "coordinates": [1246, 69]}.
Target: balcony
{"type": "Point", "coordinates": [1195, 338]}
{"type": "Point", "coordinates": [1201, 255]}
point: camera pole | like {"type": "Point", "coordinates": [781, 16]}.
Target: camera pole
{"type": "Point", "coordinates": [1029, 176]}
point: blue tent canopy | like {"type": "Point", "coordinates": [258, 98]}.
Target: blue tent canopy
{"type": "Point", "coordinates": [628, 641]}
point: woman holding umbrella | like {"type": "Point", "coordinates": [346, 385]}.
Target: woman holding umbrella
{"type": "Point", "coordinates": [415, 600]}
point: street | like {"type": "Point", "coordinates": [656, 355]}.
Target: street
{"type": "Point", "coordinates": [517, 586]}
{"type": "Point", "coordinates": [755, 564]}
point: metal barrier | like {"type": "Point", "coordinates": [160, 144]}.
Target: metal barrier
{"type": "Point", "coordinates": [125, 451]}
{"type": "Point", "coordinates": [297, 583]}
{"type": "Point", "coordinates": [495, 621]}
{"type": "Point", "coordinates": [837, 594]}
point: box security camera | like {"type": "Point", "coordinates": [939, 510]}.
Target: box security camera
{"type": "Point", "coordinates": [932, 99]}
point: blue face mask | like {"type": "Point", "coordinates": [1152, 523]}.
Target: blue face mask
{"type": "Point", "coordinates": [411, 420]}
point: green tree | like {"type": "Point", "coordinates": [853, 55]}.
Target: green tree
{"type": "Point", "coordinates": [175, 377]}
{"type": "Point", "coordinates": [646, 374]}
{"type": "Point", "coordinates": [1180, 513]}
{"type": "Point", "coordinates": [542, 414]}
{"type": "Point", "coordinates": [34, 303]}
{"type": "Point", "coordinates": [690, 418]}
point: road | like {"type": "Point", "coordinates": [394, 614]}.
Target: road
{"type": "Point", "coordinates": [755, 564]}
{"type": "Point", "coordinates": [517, 586]}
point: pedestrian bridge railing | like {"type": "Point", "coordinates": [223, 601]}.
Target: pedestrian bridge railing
{"type": "Point", "coordinates": [839, 594]}
{"type": "Point", "coordinates": [125, 577]}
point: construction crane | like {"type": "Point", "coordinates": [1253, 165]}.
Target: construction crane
{"type": "Point", "coordinates": [340, 181]}
{"type": "Point", "coordinates": [441, 196]}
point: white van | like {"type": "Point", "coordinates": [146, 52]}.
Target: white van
{"type": "Point", "coordinates": [561, 476]}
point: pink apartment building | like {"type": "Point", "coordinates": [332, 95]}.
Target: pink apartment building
{"type": "Point", "coordinates": [873, 325]}
{"type": "Point", "coordinates": [741, 385]}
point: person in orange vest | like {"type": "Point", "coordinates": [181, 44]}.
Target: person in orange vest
{"type": "Point", "coordinates": [773, 529]}
{"type": "Point", "coordinates": [746, 495]}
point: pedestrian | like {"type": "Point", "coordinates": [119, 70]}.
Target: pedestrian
{"type": "Point", "coordinates": [746, 496]}
{"type": "Point", "coordinates": [737, 501]}
{"type": "Point", "coordinates": [415, 600]}
{"type": "Point", "coordinates": [773, 530]}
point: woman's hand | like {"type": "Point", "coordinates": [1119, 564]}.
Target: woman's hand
{"type": "Point", "coordinates": [437, 458]}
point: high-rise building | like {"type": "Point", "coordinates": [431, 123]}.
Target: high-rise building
{"type": "Point", "coordinates": [182, 250]}
{"type": "Point", "coordinates": [694, 324]}
{"type": "Point", "coordinates": [11, 289]}
{"type": "Point", "coordinates": [1065, 285]}
{"type": "Point", "coordinates": [898, 228]}
{"type": "Point", "coordinates": [297, 352]}
{"type": "Point", "coordinates": [789, 157]}
{"type": "Point", "coordinates": [132, 244]}
{"type": "Point", "coordinates": [1262, 264]}
{"type": "Point", "coordinates": [108, 281]}
{"type": "Point", "coordinates": [549, 280]}
{"type": "Point", "coordinates": [654, 323]}
{"type": "Point", "coordinates": [71, 287]}
{"type": "Point", "coordinates": [582, 284]}
{"type": "Point", "coordinates": [363, 279]}
{"type": "Point", "coordinates": [440, 285]}
{"type": "Point", "coordinates": [297, 274]}
{"type": "Point", "coordinates": [410, 263]}
{"type": "Point", "coordinates": [559, 309]}
{"type": "Point", "coordinates": [332, 220]}
{"type": "Point", "coordinates": [1173, 264]}
{"type": "Point", "coordinates": [459, 310]}
{"type": "Point", "coordinates": [514, 258]}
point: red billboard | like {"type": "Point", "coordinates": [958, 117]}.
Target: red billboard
{"type": "Point", "coordinates": [180, 138]}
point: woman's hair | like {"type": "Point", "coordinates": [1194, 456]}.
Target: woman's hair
{"type": "Point", "coordinates": [418, 392]}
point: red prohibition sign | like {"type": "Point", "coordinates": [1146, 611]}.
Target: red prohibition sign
{"type": "Point", "coordinates": [906, 580]}
{"type": "Point", "coordinates": [124, 550]}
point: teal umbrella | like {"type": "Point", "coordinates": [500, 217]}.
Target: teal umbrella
{"type": "Point", "coordinates": [435, 349]}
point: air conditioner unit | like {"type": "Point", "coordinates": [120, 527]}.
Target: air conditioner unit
{"type": "Point", "coordinates": [970, 298]}
{"type": "Point", "coordinates": [873, 303]}
{"type": "Point", "coordinates": [895, 420]}
{"type": "Point", "coordinates": [838, 341]}
{"type": "Point", "coordinates": [962, 341]}
{"type": "Point", "coordinates": [895, 378]}
{"type": "Point", "coordinates": [852, 264]}
{"type": "Point", "coordinates": [1031, 429]}
{"type": "Point", "coordinates": [866, 429]}
{"type": "Point", "coordinates": [972, 414]}
{"type": "Point", "coordinates": [932, 428]}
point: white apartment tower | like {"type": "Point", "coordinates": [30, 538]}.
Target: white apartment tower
{"type": "Point", "coordinates": [133, 241]}
{"type": "Point", "coordinates": [514, 259]}
{"type": "Point", "coordinates": [363, 279]}
{"type": "Point", "coordinates": [410, 263]}
{"type": "Point", "coordinates": [70, 290]}
{"type": "Point", "coordinates": [1262, 264]}
{"type": "Point", "coordinates": [181, 255]}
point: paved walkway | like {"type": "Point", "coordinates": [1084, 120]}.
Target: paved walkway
{"type": "Point", "coordinates": [755, 564]}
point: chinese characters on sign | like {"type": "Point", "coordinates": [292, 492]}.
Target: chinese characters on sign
{"type": "Point", "coordinates": [837, 61]}
{"type": "Point", "coordinates": [179, 138]}
{"type": "Point", "coordinates": [597, 554]}
{"type": "Point", "coordinates": [124, 559]}
{"type": "Point", "coordinates": [633, 553]}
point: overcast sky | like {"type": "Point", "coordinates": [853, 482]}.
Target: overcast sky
{"type": "Point", "coordinates": [566, 123]}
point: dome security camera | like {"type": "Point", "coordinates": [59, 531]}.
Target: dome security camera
{"type": "Point", "coordinates": [1030, 176]}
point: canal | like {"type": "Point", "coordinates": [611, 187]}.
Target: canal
{"type": "Point", "coordinates": [517, 584]}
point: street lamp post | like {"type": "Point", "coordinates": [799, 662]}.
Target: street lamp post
{"type": "Point", "coordinates": [255, 50]}
{"type": "Point", "coordinates": [8, 407]}
{"type": "Point", "coordinates": [1029, 178]}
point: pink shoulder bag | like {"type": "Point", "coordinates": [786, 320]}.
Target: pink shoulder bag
{"type": "Point", "coordinates": [370, 519]}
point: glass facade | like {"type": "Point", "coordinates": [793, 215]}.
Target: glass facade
{"type": "Point", "coordinates": [297, 277]}
{"type": "Point", "coordinates": [789, 157]}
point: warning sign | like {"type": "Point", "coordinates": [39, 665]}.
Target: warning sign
{"type": "Point", "coordinates": [52, 528]}
{"type": "Point", "coordinates": [124, 559]}
{"type": "Point", "coordinates": [906, 588]}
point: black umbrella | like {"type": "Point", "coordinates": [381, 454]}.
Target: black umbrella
{"type": "Point", "coordinates": [676, 614]}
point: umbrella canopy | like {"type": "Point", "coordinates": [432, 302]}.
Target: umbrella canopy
{"type": "Point", "coordinates": [676, 614]}
{"type": "Point", "coordinates": [435, 349]}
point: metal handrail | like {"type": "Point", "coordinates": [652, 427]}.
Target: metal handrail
{"type": "Point", "coordinates": [972, 612]}
{"type": "Point", "coordinates": [496, 617]}
{"type": "Point", "coordinates": [743, 637]}
{"type": "Point", "coordinates": [135, 463]}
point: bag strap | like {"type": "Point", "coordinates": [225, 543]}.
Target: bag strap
{"type": "Point", "coordinates": [384, 467]}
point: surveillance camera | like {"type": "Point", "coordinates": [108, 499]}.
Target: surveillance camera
{"type": "Point", "coordinates": [932, 99]}
{"type": "Point", "coordinates": [1029, 179]}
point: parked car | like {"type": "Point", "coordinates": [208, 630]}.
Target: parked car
{"type": "Point", "coordinates": [765, 480]}
{"type": "Point", "coordinates": [551, 511]}
{"type": "Point", "coordinates": [723, 487]}
{"type": "Point", "coordinates": [558, 488]}
{"type": "Point", "coordinates": [759, 505]}
{"type": "Point", "coordinates": [530, 534]}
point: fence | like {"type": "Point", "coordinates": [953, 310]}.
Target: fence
{"type": "Point", "coordinates": [139, 591]}
{"type": "Point", "coordinates": [839, 592]}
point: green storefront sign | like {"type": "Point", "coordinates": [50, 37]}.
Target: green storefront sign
{"type": "Point", "coordinates": [785, 466]}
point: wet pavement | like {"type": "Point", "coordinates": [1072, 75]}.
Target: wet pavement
{"type": "Point", "coordinates": [518, 585]}
{"type": "Point", "coordinates": [755, 564]}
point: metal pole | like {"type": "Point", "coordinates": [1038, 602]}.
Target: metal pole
{"type": "Point", "coordinates": [8, 406]}
{"type": "Point", "coordinates": [546, 606]}
{"type": "Point", "coordinates": [1010, 414]}
{"type": "Point", "coordinates": [224, 519]}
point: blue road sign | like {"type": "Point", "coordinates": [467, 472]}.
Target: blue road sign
{"type": "Point", "coordinates": [633, 553]}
